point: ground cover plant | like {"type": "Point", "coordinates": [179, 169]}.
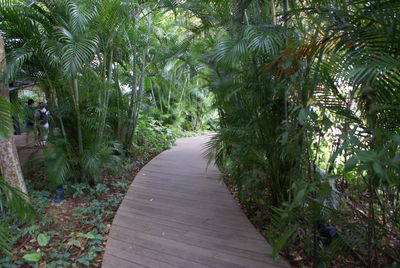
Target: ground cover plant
{"type": "Point", "coordinates": [74, 232]}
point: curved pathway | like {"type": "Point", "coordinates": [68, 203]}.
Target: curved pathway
{"type": "Point", "coordinates": [177, 213]}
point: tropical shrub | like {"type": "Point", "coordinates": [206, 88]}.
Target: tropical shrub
{"type": "Point", "coordinates": [151, 134]}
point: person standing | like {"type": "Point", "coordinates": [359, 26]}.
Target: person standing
{"type": "Point", "coordinates": [31, 133]}
{"type": "Point", "coordinates": [43, 123]}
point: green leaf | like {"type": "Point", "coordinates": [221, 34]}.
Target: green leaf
{"type": "Point", "coordinates": [84, 261]}
{"type": "Point", "coordinates": [43, 240]}
{"type": "Point", "coordinates": [327, 122]}
{"type": "Point", "coordinates": [75, 242]}
{"type": "Point", "coordinates": [302, 117]}
{"type": "Point", "coordinates": [378, 169]}
{"type": "Point", "coordinates": [33, 257]}
{"type": "Point", "coordinates": [5, 118]}
{"type": "Point", "coordinates": [282, 241]}
{"type": "Point", "coordinates": [98, 249]}
{"type": "Point", "coordinates": [325, 189]}
{"type": "Point", "coordinates": [300, 195]}
{"type": "Point", "coordinates": [395, 162]}
{"type": "Point", "coordinates": [367, 156]}
{"type": "Point", "coordinates": [284, 137]}
{"type": "Point", "coordinates": [351, 163]}
{"type": "Point", "coordinates": [396, 139]}
{"type": "Point", "coordinates": [88, 235]}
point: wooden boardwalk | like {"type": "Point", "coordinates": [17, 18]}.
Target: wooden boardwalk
{"type": "Point", "coordinates": [178, 214]}
{"type": "Point", "coordinates": [26, 152]}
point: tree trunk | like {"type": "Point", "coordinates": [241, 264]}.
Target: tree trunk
{"type": "Point", "coordinates": [9, 162]}
{"type": "Point", "coordinates": [78, 116]}
{"type": "Point", "coordinates": [136, 95]}
{"type": "Point", "coordinates": [140, 93]}
{"type": "Point", "coordinates": [286, 10]}
{"type": "Point", "coordinates": [107, 94]}
{"type": "Point", "coordinates": [272, 11]}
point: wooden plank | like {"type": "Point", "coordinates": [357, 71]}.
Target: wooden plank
{"type": "Point", "coordinates": [192, 237]}
{"type": "Point", "coordinates": [181, 195]}
{"type": "Point", "coordinates": [112, 261]}
{"type": "Point", "coordinates": [191, 253]}
{"type": "Point", "coordinates": [187, 219]}
{"type": "Point", "coordinates": [177, 213]}
{"type": "Point", "coordinates": [251, 249]}
{"type": "Point", "coordinates": [193, 212]}
{"type": "Point", "coordinates": [125, 250]}
{"type": "Point", "coordinates": [234, 210]}
{"type": "Point", "coordinates": [203, 229]}
{"type": "Point", "coordinates": [190, 222]}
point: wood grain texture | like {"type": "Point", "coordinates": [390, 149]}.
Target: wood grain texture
{"type": "Point", "coordinates": [178, 213]}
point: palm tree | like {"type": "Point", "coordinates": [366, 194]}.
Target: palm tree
{"type": "Point", "coordinates": [9, 162]}
{"type": "Point", "coordinates": [284, 89]}
{"type": "Point", "coordinates": [14, 199]}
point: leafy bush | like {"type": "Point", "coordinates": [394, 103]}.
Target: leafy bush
{"type": "Point", "coordinates": [152, 135]}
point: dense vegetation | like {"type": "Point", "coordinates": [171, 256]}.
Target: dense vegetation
{"type": "Point", "coordinates": [307, 95]}
{"type": "Point", "coordinates": [309, 124]}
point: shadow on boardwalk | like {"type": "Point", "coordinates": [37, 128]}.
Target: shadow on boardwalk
{"type": "Point", "coordinates": [178, 214]}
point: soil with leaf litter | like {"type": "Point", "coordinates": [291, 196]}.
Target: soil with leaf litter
{"type": "Point", "coordinates": [73, 233]}
{"type": "Point", "coordinates": [387, 251]}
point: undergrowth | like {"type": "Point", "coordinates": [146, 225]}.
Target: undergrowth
{"type": "Point", "coordinates": [73, 233]}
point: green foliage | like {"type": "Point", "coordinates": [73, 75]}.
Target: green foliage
{"type": "Point", "coordinates": [307, 121]}
{"type": "Point", "coordinates": [303, 95]}
{"type": "Point", "coordinates": [152, 134]}
{"type": "Point", "coordinates": [79, 62]}
{"type": "Point", "coordinates": [5, 118]}
{"type": "Point", "coordinates": [13, 205]}
{"type": "Point", "coordinates": [117, 80]}
{"type": "Point", "coordinates": [43, 240]}
{"type": "Point", "coordinates": [63, 164]}
{"type": "Point", "coordinates": [32, 257]}
{"type": "Point", "coordinates": [96, 206]}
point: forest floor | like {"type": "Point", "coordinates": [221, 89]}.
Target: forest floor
{"type": "Point", "coordinates": [298, 253]}
{"type": "Point", "coordinates": [73, 233]}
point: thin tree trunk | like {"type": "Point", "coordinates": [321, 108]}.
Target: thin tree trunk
{"type": "Point", "coordinates": [286, 10]}
{"type": "Point", "coordinates": [136, 97]}
{"type": "Point", "coordinates": [78, 116]}
{"type": "Point", "coordinates": [272, 11]}
{"type": "Point", "coordinates": [133, 99]}
{"type": "Point", "coordinates": [107, 94]}
{"type": "Point", "coordinates": [140, 93]}
{"type": "Point", "coordinates": [9, 163]}
{"type": "Point", "coordinates": [120, 129]}
{"type": "Point", "coordinates": [133, 94]}
{"type": "Point", "coordinates": [136, 102]}
{"type": "Point", "coordinates": [153, 95]}
{"type": "Point", "coordinates": [371, 123]}
{"type": "Point", "coordinates": [241, 7]}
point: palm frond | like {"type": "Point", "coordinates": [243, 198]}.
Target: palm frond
{"type": "Point", "coordinates": [267, 38]}
{"type": "Point", "coordinates": [18, 205]}
{"type": "Point", "coordinates": [5, 118]}
{"type": "Point", "coordinates": [15, 60]}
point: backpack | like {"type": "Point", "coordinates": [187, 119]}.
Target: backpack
{"type": "Point", "coordinates": [43, 117]}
